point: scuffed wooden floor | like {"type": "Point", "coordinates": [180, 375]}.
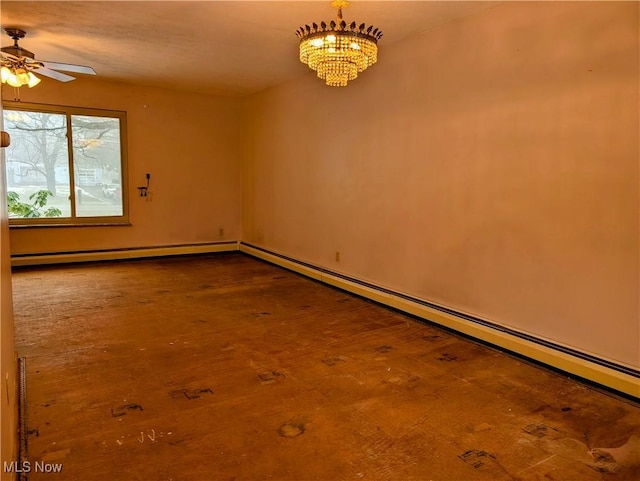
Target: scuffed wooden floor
{"type": "Point", "coordinates": [227, 368]}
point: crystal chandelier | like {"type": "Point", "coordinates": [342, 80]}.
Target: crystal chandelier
{"type": "Point", "coordinates": [338, 51]}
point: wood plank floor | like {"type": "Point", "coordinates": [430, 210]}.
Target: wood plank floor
{"type": "Point", "coordinates": [227, 368]}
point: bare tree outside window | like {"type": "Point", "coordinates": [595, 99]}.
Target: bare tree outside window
{"type": "Point", "coordinates": [96, 160]}
{"type": "Point", "coordinates": [37, 158]}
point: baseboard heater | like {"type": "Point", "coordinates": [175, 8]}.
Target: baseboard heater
{"type": "Point", "coordinates": [120, 254]}
{"type": "Point", "coordinates": [622, 379]}
{"type": "Point", "coordinates": [23, 456]}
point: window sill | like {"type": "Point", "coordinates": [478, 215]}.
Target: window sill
{"type": "Point", "coordinates": [88, 224]}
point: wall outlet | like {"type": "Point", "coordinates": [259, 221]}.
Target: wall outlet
{"type": "Point", "coordinates": [337, 256]}
{"type": "Point", "coordinates": [221, 232]}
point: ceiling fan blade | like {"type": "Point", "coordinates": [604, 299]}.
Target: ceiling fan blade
{"type": "Point", "coordinates": [62, 77]}
{"type": "Point", "coordinates": [67, 67]}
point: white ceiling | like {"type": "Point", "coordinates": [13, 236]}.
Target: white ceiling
{"type": "Point", "coordinates": [218, 47]}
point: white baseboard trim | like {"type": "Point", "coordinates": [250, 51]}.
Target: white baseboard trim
{"type": "Point", "coordinates": [121, 254]}
{"type": "Point", "coordinates": [621, 378]}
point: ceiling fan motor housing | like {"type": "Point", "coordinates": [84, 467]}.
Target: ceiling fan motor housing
{"type": "Point", "coordinates": [17, 51]}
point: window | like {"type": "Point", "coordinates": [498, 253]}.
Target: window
{"type": "Point", "coordinates": [65, 165]}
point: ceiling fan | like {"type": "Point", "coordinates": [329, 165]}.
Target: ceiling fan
{"type": "Point", "coordinates": [19, 64]}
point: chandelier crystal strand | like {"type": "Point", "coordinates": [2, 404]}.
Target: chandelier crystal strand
{"type": "Point", "coordinates": [338, 51]}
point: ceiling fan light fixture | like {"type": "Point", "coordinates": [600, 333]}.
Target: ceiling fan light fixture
{"type": "Point", "coordinates": [338, 51]}
{"type": "Point", "coordinates": [5, 73]}
{"type": "Point", "coordinates": [17, 77]}
{"type": "Point", "coordinates": [33, 80]}
{"type": "Point", "coordinates": [14, 82]}
{"type": "Point", "coordinates": [12, 79]}
{"type": "Point", "coordinates": [22, 76]}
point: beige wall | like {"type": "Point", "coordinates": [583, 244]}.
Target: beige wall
{"type": "Point", "coordinates": [489, 165]}
{"type": "Point", "coordinates": [189, 145]}
{"type": "Point", "coordinates": [8, 368]}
